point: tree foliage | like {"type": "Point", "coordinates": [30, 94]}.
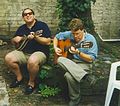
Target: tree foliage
{"type": "Point", "coordinates": [68, 9]}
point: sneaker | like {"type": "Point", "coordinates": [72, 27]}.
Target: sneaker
{"type": "Point", "coordinates": [29, 89]}
{"type": "Point", "coordinates": [15, 83]}
{"type": "Point", "coordinates": [91, 79]}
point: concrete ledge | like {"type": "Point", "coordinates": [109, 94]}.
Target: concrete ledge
{"type": "Point", "coordinates": [108, 40]}
{"type": "Point", "coordinates": [4, 98]}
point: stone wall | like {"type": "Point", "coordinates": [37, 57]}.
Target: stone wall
{"type": "Point", "coordinates": [10, 14]}
{"type": "Point", "coordinates": [106, 17]}
{"type": "Point", "coordinates": [105, 14]}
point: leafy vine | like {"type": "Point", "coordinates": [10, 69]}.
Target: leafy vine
{"type": "Point", "coordinates": [68, 9]}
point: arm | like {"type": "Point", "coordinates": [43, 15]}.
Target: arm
{"type": "Point", "coordinates": [16, 40]}
{"type": "Point", "coordinates": [84, 56]}
{"type": "Point", "coordinates": [43, 40]}
{"type": "Point", "coordinates": [56, 48]}
{"type": "Point", "coordinates": [90, 54]}
{"type": "Point", "coordinates": [38, 38]}
{"type": "Point", "coordinates": [55, 42]}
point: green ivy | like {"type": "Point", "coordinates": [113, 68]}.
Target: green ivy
{"type": "Point", "coordinates": [45, 71]}
{"type": "Point", "coordinates": [68, 9]}
{"type": "Point", "coordinates": [43, 74]}
{"type": "Point", "coordinates": [47, 91]}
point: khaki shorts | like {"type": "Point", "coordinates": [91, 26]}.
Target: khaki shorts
{"type": "Point", "coordinates": [23, 57]}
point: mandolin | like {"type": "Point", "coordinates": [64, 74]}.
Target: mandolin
{"type": "Point", "coordinates": [23, 43]}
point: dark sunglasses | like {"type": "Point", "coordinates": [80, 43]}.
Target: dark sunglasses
{"type": "Point", "coordinates": [30, 13]}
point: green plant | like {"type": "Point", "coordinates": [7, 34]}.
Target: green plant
{"type": "Point", "coordinates": [47, 91]}
{"type": "Point", "coordinates": [68, 9]}
{"type": "Point", "coordinates": [43, 74]}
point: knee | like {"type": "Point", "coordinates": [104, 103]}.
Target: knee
{"type": "Point", "coordinates": [60, 63]}
{"type": "Point", "coordinates": [60, 60]}
{"type": "Point", "coordinates": [32, 63]}
{"type": "Point", "coordinates": [8, 58]}
{"type": "Point", "coordinates": [68, 76]}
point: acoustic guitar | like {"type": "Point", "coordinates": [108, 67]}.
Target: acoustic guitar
{"type": "Point", "coordinates": [23, 43]}
{"type": "Point", "coordinates": [65, 45]}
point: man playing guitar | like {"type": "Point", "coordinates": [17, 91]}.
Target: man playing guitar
{"type": "Point", "coordinates": [34, 53]}
{"type": "Point", "coordinates": [82, 57]}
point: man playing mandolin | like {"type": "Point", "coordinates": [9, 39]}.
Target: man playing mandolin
{"type": "Point", "coordinates": [75, 67]}
{"type": "Point", "coordinates": [33, 51]}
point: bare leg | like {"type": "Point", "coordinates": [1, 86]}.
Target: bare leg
{"type": "Point", "coordinates": [34, 62]}
{"type": "Point", "coordinates": [33, 68]}
{"type": "Point", "coordinates": [11, 61]}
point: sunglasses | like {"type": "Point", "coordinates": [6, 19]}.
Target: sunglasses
{"type": "Point", "coordinates": [30, 13]}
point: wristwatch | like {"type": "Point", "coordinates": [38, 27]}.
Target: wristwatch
{"type": "Point", "coordinates": [79, 52]}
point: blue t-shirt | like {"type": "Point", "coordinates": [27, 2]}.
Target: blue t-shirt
{"type": "Point", "coordinates": [93, 51]}
{"type": "Point", "coordinates": [33, 45]}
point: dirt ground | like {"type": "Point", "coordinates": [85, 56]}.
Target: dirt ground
{"type": "Point", "coordinates": [17, 97]}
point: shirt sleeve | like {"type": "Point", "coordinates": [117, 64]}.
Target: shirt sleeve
{"type": "Point", "coordinates": [64, 35]}
{"type": "Point", "coordinates": [92, 51]}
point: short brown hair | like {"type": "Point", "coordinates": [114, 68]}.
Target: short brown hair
{"type": "Point", "coordinates": [76, 24]}
{"type": "Point", "coordinates": [27, 9]}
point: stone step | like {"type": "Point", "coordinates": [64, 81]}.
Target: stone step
{"type": "Point", "coordinates": [4, 98]}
